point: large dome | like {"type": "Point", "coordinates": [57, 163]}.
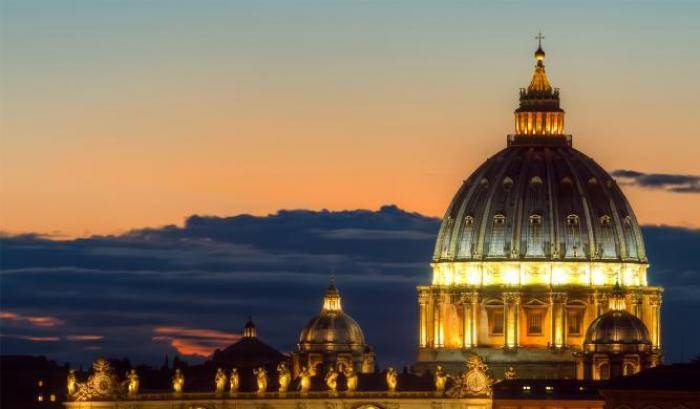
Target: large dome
{"type": "Point", "coordinates": [540, 201]}
{"type": "Point", "coordinates": [332, 327]}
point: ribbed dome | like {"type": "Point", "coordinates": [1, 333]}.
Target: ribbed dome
{"type": "Point", "coordinates": [332, 326]}
{"type": "Point", "coordinates": [617, 327]}
{"type": "Point", "coordinates": [542, 201]}
{"type": "Point", "coordinates": [335, 328]}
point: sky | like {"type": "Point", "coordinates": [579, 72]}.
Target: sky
{"type": "Point", "coordinates": [122, 120]}
{"type": "Point", "coordinates": [123, 114]}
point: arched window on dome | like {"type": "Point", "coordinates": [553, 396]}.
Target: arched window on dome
{"type": "Point", "coordinates": [497, 243]}
{"type": "Point", "coordinates": [465, 246]}
{"type": "Point", "coordinates": [447, 237]}
{"type": "Point", "coordinates": [534, 237]}
{"type": "Point", "coordinates": [606, 242]}
{"type": "Point", "coordinates": [629, 369]}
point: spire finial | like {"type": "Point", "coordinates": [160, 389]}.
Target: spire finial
{"type": "Point", "coordinates": [539, 54]}
{"type": "Point", "coordinates": [539, 37]}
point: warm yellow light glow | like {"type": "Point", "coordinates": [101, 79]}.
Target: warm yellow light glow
{"type": "Point", "coordinates": [484, 273]}
{"type": "Point", "coordinates": [511, 276]}
{"type": "Point", "coordinates": [559, 275]}
{"type": "Point", "coordinates": [597, 276]}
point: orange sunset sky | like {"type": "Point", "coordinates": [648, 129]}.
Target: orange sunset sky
{"type": "Point", "coordinates": [123, 115]}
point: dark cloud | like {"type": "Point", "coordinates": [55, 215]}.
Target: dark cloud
{"type": "Point", "coordinates": [662, 181]}
{"type": "Point", "coordinates": [155, 291]}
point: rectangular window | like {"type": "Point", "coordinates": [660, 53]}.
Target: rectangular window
{"type": "Point", "coordinates": [574, 320]}
{"type": "Point", "coordinates": [534, 323]}
{"type": "Point", "coordinates": [496, 322]}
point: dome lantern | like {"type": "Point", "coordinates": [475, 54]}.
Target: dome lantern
{"type": "Point", "coordinates": [249, 331]}
{"type": "Point", "coordinates": [331, 302]}
{"type": "Point", "coordinates": [539, 114]}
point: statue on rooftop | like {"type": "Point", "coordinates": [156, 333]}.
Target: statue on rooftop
{"type": "Point", "coordinates": [331, 379]}
{"type": "Point", "coordinates": [72, 382]}
{"type": "Point", "coordinates": [220, 380]}
{"type": "Point", "coordinates": [178, 381]}
{"type": "Point", "coordinates": [261, 378]}
{"type": "Point", "coordinates": [351, 377]}
{"type": "Point", "coordinates": [510, 372]}
{"type": "Point", "coordinates": [133, 382]}
{"type": "Point", "coordinates": [391, 379]}
{"type": "Point", "coordinates": [234, 381]}
{"type": "Point", "coordinates": [440, 379]}
{"type": "Point", "coordinates": [304, 379]}
{"type": "Point", "coordinates": [284, 377]}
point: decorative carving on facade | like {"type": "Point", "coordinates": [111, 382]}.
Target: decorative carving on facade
{"type": "Point", "coordinates": [101, 385]}
{"type": "Point", "coordinates": [474, 382]}
{"type": "Point", "coordinates": [557, 297]}
{"type": "Point", "coordinates": [511, 298]}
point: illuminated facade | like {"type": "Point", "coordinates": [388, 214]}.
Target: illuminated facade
{"type": "Point", "coordinates": [529, 251]}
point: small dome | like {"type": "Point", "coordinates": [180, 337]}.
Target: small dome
{"type": "Point", "coordinates": [617, 327]}
{"type": "Point", "coordinates": [333, 328]}
{"type": "Point", "coordinates": [332, 325]}
{"type": "Point", "coordinates": [539, 54]}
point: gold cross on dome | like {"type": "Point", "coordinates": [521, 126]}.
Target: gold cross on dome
{"type": "Point", "coordinates": [539, 37]}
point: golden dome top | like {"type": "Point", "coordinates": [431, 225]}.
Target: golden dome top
{"type": "Point", "coordinates": [540, 82]}
{"type": "Point", "coordinates": [539, 54]}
